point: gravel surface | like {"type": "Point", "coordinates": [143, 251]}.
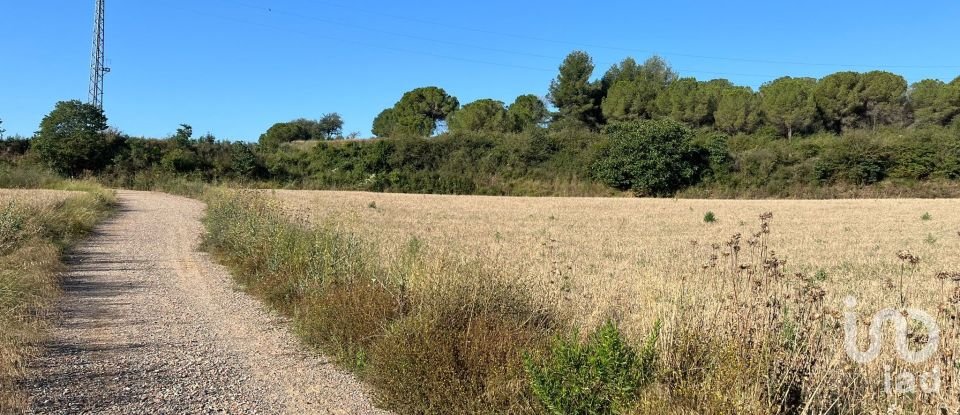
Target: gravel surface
{"type": "Point", "coordinates": [150, 325]}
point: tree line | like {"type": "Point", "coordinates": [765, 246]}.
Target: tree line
{"type": "Point", "coordinates": [639, 128]}
{"type": "Point", "coordinates": [632, 91]}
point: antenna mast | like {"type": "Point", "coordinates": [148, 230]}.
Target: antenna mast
{"type": "Point", "coordinates": [97, 67]}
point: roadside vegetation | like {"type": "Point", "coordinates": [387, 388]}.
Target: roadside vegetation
{"type": "Point", "coordinates": [36, 226]}
{"type": "Point", "coordinates": [428, 343]}
{"type": "Point", "coordinates": [732, 329]}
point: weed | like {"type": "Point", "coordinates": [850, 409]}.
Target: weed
{"type": "Point", "coordinates": [709, 217]}
{"type": "Point", "coordinates": [926, 217]}
{"type": "Point", "coordinates": [600, 376]}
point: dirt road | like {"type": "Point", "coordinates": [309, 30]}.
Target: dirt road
{"type": "Point", "coordinates": [150, 325]}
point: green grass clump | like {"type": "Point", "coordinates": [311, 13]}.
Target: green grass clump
{"type": "Point", "coordinates": [709, 217]}
{"type": "Point", "coordinates": [603, 375]}
{"type": "Point", "coordinates": [926, 216]}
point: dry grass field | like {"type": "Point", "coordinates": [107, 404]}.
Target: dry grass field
{"type": "Point", "coordinates": [35, 197]}
{"type": "Point", "coordinates": [748, 312]}
{"type": "Point", "coordinates": [625, 256]}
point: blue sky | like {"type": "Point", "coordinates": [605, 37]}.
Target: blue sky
{"type": "Point", "coordinates": [234, 67]}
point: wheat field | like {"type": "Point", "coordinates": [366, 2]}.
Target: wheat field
{"type": "Point", "coordinates": [626, 257]}
{"type": "Point", "coordinates": [36, 197]}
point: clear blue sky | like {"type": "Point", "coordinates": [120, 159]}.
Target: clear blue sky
{"type": "Point", "coordinates": [234, 67]}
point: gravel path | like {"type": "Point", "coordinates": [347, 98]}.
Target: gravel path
{"type": "Point", "coordinates": [150, 325]}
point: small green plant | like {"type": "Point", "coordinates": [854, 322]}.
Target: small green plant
{"type": "Point", "coordinates": [710, 217]}
{"type": "Point", "coordinates": [600, 376]}
{"type": "Point", "coordinates": [372, 205]}
{"type": "Point", "coordinates": [820, 276]}
{"type": "Point", "coordinates": [926, 216]}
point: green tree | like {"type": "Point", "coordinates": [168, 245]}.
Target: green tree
{"type": "Point", "coordinates": [416, 114]}
{"type": "Point", "coordinates": [654, 70]}
{"type": "Point", "coordinates": [788, 104]}
{"type": "Point", "coordinates": [183, 135]}
{"type": "Point", "coordinates": [934, 102]}
{"type": "Point", "coordinates": [328, 127]}
{"type": "Point", "coordinates": [708, 99]}
{"type": "Point", "coordinates": [284, 132]}
{"type": "Point", "coordinates": [431, 101]}
{"type": "Point", "coordinates": [71, 139]}
{"type": "Point", "coordinates": [883, 97]}
{"type": "Point", "coordinates": [650, 157]}
{"type": "Point", "coordinates": [629, 101]}
{"type": "Point", "coordinates": [738, 110]}
{"type": "Point", "coordinates": [243, 160]}
{"type": "Point", "coordinates": [572, 92]}
{"type": "Point", "coordinates": [626, 70]}
{"type": "Point", "coordinates": [839, 99]}
{"type": "Point", "coordinates": [385, 122]}
{"type": "Point", "coordinates": [631, 90]}
{"type": "Point", "coordinates": [411, 124]}
{"type": "Point", "coordinates": [2, 131]}
{"type": "Point", "coordinates": [684, 101]}
{"type": "Point", "coordinates": [526, 112]}
{"type": "Point", "coordinates": [485, 115]}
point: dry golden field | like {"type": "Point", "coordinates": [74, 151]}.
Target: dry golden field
{"type": "Point", "coordinates": [627, 257]}
{"type": "Point", "coordinates": [36, 197]}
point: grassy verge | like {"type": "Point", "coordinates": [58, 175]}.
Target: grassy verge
{"type": "Point", "coordinates": [426, 341]}
{"type": "Point", "coordinates": [32, 239]}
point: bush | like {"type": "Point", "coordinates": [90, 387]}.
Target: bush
{"type": "Point", "coordinates": [602, 376]}
{"type": "Point", "coordinates": [460, 350]}
{"type": "Point", "coordinates": [715, 154]}
{"type": "Point", "coordinates": [649, 157]}
{"type": "Point", "coordinates": [710, 217]}
{"type": "Point", "coordinates": [856, 159]}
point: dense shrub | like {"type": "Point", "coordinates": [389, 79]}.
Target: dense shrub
{"type": "Point", "coordinates": [601, 376]}
{"type": "Point", "coordinates": [648, 157]}
{"type": "Point", "coordinates": [855, 159]}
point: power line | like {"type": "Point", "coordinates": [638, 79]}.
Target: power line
{"type": "Point", "coordinates": [365, 44]}
{"type": "Point", "coordinates": [271, 10]}
{"type": "Point", "coordinates": [624, 49]}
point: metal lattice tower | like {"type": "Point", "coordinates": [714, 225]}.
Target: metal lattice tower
{"type": "Point", "coordinates": [97, 66]}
